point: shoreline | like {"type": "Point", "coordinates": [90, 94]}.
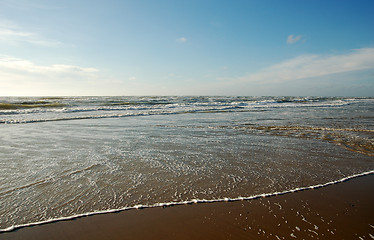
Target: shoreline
{"type": "Point", "coordinates": [336, 210]}
{"type": "Point", "coordinates": [193, 201]}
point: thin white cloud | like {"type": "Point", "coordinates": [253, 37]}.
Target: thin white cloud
{"type": "Point", "coordinates": [132, 78]}
{"type": "Point", "coordinates": [309, 66]}
{"type": "Point", "coordinates": [11, 33]}
{"type": "Point", "coordinates": [26, 67]}
{"type": "Point", "coordinates": [4, 33]}
{"type": "Point", "coordinates": [291, 39]}
{"type": "Point", "coordinates": [182, 40]}
{"type": "Point", "coordinates": [23, 77]}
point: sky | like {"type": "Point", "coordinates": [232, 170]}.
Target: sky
{"type": "Point", "coordinates": [194, 47]}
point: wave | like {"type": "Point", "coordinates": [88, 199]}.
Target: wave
{"type": "Point", "coordinates": [97, 102]}
{"type": "Point", "coordinates": [15, 111]}
{"type": "Point", "coordinates": [25, 105]}
{"type": "Point", "coordinates": [193, 201]}
{"type": "Point", "coordinates": [129, 113]}
{"type": "Point", "coordinates": [303, 103]}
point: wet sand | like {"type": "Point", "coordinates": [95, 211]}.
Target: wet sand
{"type": "Point", "coordinates": [340, 211]}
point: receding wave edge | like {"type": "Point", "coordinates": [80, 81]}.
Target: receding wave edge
{"type": "Point", "coordinates": [168, 204]}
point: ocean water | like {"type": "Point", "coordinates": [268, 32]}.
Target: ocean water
{"type": "Point", "coordinates": [73, 156]}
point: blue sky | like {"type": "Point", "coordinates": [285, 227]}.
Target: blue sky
{"type": "Point", "coordinates": [256, 48]}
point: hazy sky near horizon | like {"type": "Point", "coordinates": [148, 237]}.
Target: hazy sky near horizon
{"type": "Point", "coordinates": [194, 47]}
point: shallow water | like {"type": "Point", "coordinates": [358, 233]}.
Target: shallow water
{"type": "Point", "coordinates": [62, 157]}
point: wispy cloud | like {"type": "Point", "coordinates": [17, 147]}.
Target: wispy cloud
{"type": "Point", "coordinates": [182, 40]}
{"type": "Point", "coordinates": [291, 39]}
{"type": "Point", "coordinates": [23, 77]}
{"type": "Point", "coordinates": [22, 66]}
{"type": "Point", "coordinates": [308, 66]}
{"type": "Point", "coordinates": [11, 33]}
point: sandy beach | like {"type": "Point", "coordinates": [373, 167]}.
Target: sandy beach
{"type": "Point", "coordinates": [339, 211]}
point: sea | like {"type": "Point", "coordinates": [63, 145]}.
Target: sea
{"type": "Point", "coordinates": [66, 157]}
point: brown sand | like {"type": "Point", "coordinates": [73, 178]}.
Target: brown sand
{"type": "Point", "coordinates": [340, 211]}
